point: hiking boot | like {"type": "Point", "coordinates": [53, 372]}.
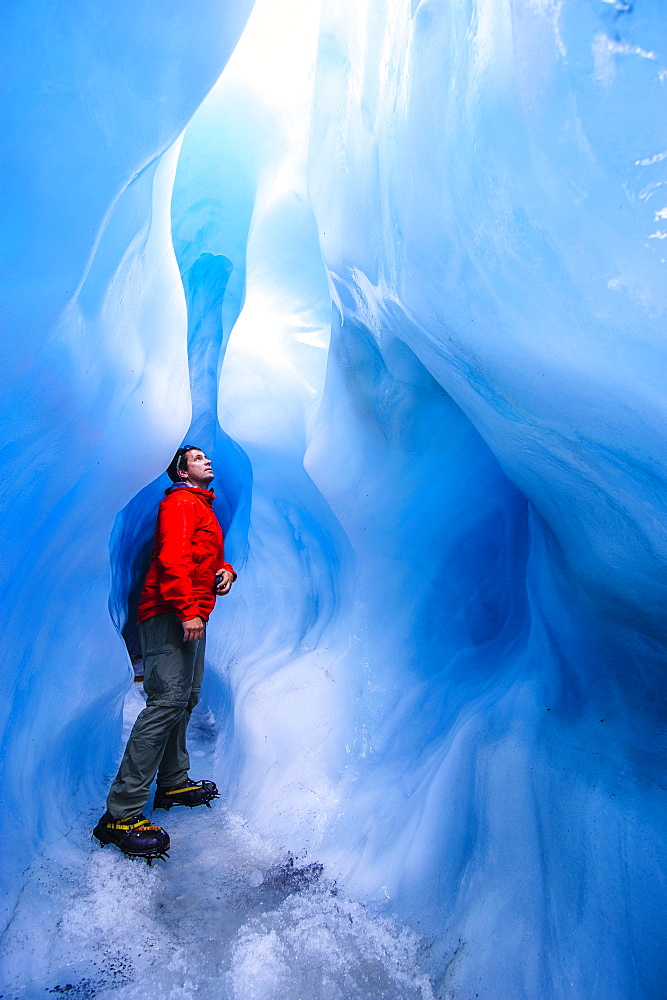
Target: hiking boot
{"type": "Point", "coordinates": [186, 793]}
{"type": "Point", "coordinates": [134, 836]}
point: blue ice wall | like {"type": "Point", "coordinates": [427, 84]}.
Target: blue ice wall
{"type": "Point", "coordinates": [488, 181]}
{"type": "Point", "coordinates": [95, 383]}
{"type": "Point", "coordinates": [413, 303]}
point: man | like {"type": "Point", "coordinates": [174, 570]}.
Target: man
{"type": "Point", "coordinates": [186, 573]}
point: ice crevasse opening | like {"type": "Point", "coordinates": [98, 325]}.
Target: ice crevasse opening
{"type": "Point", "coordinates": [399, 268]}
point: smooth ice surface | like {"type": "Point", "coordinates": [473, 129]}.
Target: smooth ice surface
{"type": "Point", "coordinates": [401, 271]}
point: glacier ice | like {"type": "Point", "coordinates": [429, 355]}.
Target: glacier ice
{"type": "Point", "coordinates": [401, 270]}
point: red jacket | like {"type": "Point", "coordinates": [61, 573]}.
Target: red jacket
{"type": "Point", "coordinates": [187, 552]}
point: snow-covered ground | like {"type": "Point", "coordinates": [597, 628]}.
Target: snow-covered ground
{"type": "Point", "coordinates": [230, 916]}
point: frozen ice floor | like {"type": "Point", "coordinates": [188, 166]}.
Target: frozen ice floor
{"type": "Point", "coordinates": [228, 916]}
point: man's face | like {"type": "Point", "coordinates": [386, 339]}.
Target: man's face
{"type": "Point", "coordinates": [199, 470]}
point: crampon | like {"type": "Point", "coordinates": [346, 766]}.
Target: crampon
{"type": "Point", "coordinates": [187, 793]}
{"type": "Point", "coordinates": [134, 836]}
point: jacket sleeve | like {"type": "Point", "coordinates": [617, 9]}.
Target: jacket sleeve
{"type": "Point", "coordinates": [175, 530]}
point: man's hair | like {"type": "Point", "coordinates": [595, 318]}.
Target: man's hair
{"type": "Point", "coordinates": [180, 462]}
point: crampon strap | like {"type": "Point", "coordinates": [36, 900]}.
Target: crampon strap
{"type": "Point", "coordinates": [180, 789]}
{"type": "Point", "coordinates": [142, 825]}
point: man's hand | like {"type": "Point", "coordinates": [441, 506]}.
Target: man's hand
{"type": "Point", "coordinates": [193, 629]}
{"type": "Point", "coordinates": [225, 580]}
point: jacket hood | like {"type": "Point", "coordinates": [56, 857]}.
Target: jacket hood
{"type": "Point", "coordinates": [208, 496]}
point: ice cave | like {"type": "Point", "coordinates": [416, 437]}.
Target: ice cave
{"type": "Point", "coordinates": [399, 266]}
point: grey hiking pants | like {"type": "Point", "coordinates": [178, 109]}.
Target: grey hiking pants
{"type": "Point", "coordinates": [173, 671]}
